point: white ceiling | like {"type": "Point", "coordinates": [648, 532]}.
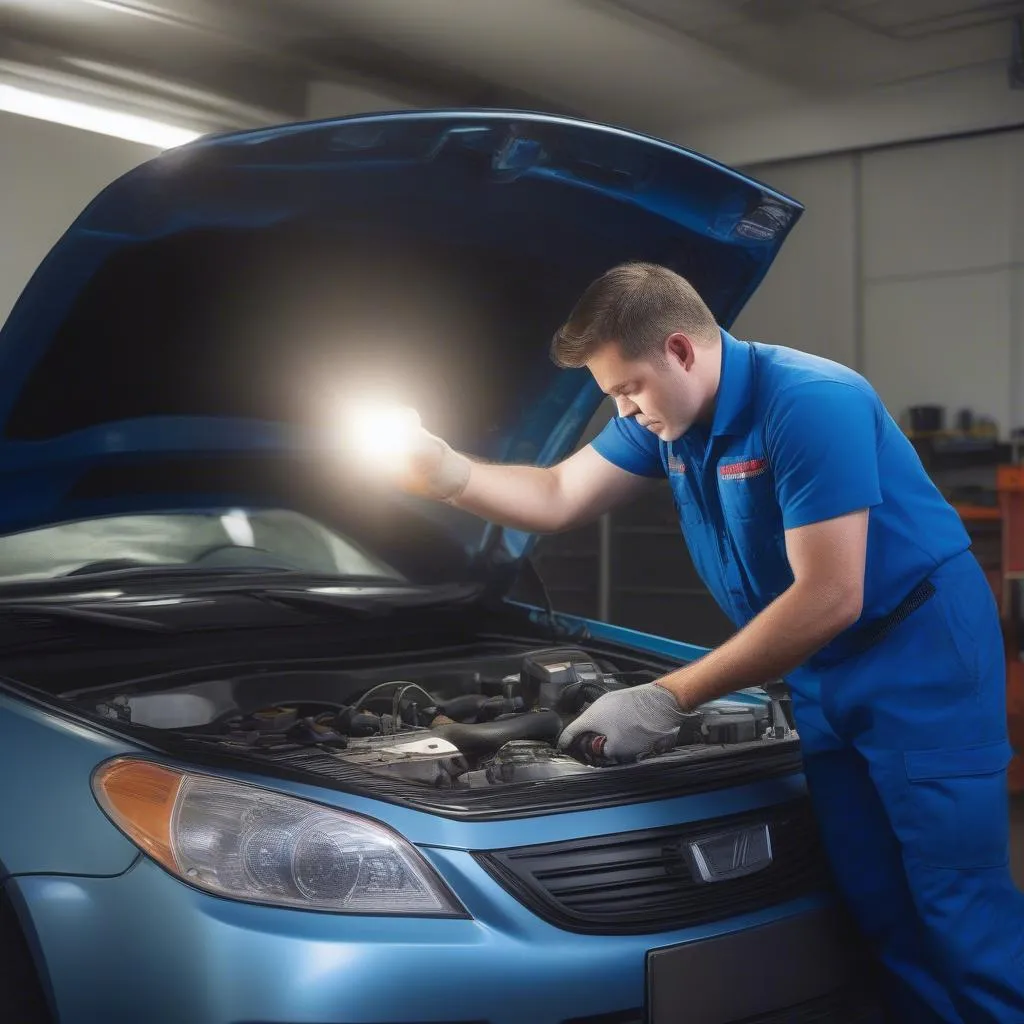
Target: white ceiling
{"type": "Point", "coordinates": [655, 65]}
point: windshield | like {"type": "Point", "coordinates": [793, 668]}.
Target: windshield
{"type": "Point", "coordinates": [238, 538]}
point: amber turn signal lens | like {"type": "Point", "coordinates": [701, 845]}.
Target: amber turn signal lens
{"type": "Point", "coordinates": [139, 797]}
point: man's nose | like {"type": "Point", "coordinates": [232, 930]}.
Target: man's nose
{"type": "Point", "coordinates": [625, 407]}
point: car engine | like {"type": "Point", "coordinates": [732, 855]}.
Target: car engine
{"type": "Point", "coordinates": [469, 723]}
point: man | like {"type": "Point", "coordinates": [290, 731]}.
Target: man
{"type": "Point", "coordinates": [811, 521]}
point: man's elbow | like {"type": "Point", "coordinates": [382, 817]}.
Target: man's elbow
{"type": "Point", "coordinates": [557, 521]}
{"type": "Point", "coordinates": [847, 606]}
{"type": "Point", "coordinates": [833, 606]}
{"type": "Point", "coordinates": [561, 511]}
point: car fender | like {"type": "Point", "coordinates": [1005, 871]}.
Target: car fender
{"type": "Point", "coordinates": [50, 822]}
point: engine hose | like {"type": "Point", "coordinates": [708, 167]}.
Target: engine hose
{"type": "Point", "coordinates": [572, 698]}
{"type": "Point", "coordinates": [484, 738]}
{"type": "Point", "coordinates": [460, 708]}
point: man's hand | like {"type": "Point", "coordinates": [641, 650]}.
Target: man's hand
{"type": "Point", "coordinates": [635, 721]}
{"type": "Point", "coordinates": [432, 469]}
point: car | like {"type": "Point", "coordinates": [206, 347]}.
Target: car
{"type": "Point", "coordinates": [278, 740]}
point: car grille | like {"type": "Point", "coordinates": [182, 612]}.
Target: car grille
{"type": "Point", "coordinates": [641, 882]}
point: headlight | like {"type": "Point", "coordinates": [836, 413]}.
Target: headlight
{"type": "Point", "coordinates": [252, 844]}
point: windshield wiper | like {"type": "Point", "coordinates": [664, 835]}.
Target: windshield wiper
{"type": "Point", "coordinates": [369, 605]}
{"type": "Point", "coordinates": [191, 576]}
{"type": "Point", "coordinates": [289, 592]}
{"type": "Point", "coordinates": [76, 613]}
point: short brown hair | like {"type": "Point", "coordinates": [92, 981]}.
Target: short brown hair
{"type": "Point", "coordinates": [637, 305]}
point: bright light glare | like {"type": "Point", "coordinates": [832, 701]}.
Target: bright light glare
{"type": "Point", "coordinates": [93, 119]}
{"type": "Point", "coordinates": [238, 527]}
{"type": "Point", "coordinates": [383, 431]}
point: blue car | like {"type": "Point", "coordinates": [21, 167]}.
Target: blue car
{"type": "Point", "coordinates": [279, 743]}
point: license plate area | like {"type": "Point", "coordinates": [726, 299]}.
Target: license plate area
{"type": "Point", "coordinates": [755, 971]}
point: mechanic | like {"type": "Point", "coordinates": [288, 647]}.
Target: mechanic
{"type": "Point", "coordinates": [811, 520]}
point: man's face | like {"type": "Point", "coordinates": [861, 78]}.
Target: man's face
{"type": "Point", "coordinates": [662, 395]}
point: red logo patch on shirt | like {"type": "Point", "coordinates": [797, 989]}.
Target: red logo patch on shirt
{"type": "Point", "coordinates": [743, 470]}
{"type": "Point", "coordinates": [676, 464]}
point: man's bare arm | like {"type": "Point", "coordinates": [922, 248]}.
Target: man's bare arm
{"type": "Point", "coordinates": [564, 496]}
{"type": "Point", "coordinates": [826, 597]}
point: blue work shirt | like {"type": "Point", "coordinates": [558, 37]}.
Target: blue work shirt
{"type": "Point", "coordinates": [795, 439]}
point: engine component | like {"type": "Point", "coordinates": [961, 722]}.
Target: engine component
{"type": "Point", "coordinates": [496, 707]}
{"type": "Point", "coordinates": [783, 724]}
{"type": "Point", "coordinates": [524, 761]}
{"type": "Point", "coordinates": [484, 738]}
{"type": "Point", "coordinates": [546, 674]}
{"type": "Point", "coordinates": [473, 721]}
{"type": "Point", "coordinates": [419, 756]}
{"type": "Point", "coordinates": [725, 722]}
{"type": "Point", "coordinates": [275, 719]}
{"type": "Point", "coordinates": [464, 708]}
{"type": "Point", "coordinates": [351, 722]}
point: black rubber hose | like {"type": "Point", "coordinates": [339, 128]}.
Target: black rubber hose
{"type": "Point", "coordinates": [571, 698]}
{"type": "Point", "coordinates": [485, 738]}
{"type": "Point", "coordinates": [460, 708]}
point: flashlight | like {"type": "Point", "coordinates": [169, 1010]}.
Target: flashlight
{"type": "Point", "coordinates": [383, 431]}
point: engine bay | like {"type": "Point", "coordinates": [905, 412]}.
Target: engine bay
{"type": "Point", "coordinates": [464, 723]}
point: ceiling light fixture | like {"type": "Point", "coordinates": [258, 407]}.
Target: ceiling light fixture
{"type": "Point", "coordinates": [93, 119]}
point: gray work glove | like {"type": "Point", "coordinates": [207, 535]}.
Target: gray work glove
{"type": "Point", "coordinates": [634, 721]}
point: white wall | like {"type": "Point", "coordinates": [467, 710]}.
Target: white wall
{"type": "Point", "coordinates": [48, 174]}
{"type": "Point", "coordinates": [341, 99]}
{"type": "Point", "coordinates": [908, 266]}
{"type": "Point", "coordinates": [809, 298]}
{"type": "Point", "coordinates": [971, 99]}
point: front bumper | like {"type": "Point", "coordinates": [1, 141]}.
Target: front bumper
{"type": "Point", "coordinates": [144, 946]}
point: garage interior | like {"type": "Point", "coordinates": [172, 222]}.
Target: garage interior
{"type": "Point", "coordinates": [898, 124]}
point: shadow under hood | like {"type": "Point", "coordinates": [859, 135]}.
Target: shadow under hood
{"type": "Point", "coordinates": [187, 342]}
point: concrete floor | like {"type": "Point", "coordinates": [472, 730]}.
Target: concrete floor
{"type": "Point", "coordinates": [1017, 839]}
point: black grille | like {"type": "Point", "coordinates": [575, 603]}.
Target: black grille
{"type": "Point", "coordinates": [640, 882]}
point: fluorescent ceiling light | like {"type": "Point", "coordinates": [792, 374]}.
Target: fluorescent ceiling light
{"type": "Point", "coordinates": [93, 119]}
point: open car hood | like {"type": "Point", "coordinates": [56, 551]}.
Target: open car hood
{"type": "Point", "coordinates": [186, 342]}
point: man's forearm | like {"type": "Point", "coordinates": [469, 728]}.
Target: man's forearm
{"type": "Point", "coordinates": [784, 635]}
{"type": "Point", "coordinates": [521, 497]}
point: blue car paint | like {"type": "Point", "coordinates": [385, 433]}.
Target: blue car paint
{"type": "Point", "coordinates": [49, 821]}
{"type": "Point", "coordinates": [579, 625]}
{"type": "Point", "coordinates": [167, 953]}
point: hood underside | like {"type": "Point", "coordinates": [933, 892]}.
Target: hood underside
{"type": "Point", "coordinates": [188, 341]}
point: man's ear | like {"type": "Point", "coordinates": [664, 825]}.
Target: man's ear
{"type": "Point", "coordinates": [679, 349]}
